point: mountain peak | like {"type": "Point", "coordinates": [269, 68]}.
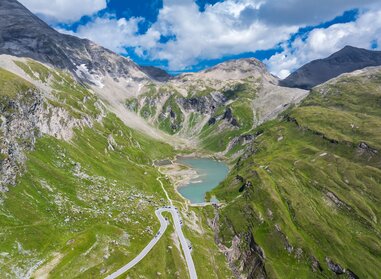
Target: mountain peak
{"type": "Point", "coordinates": [349, 47]}
{"type": "Point", "coordinates": [18, 23]}
{"type": "Point", "coordinates": [236, 69]}
{"type": "Point", "coordinates": [242, 63]}
{"type": "Point", "coordinates": [346, 60]}
{"type": "Point", "coordinates": [351, 50]}
{"type": "Point", "coordinates": [23, 34]}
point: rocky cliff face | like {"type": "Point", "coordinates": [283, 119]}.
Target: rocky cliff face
{"type": "Point", "coordinates": [22, 122]}
{"type": "Point", "coordinates": [19, 131]}
{"type": "Point", "coordinates": [27, 112]}
{"type": "Point", "coordinates": [245, 257]}
{"type": "Point", "coordinates": [156, 73]}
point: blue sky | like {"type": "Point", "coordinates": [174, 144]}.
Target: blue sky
{"type": "Point", "coordinates": [190, 35]}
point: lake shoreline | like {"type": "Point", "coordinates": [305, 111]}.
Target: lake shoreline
{"type": "Point", "coordinates": [193, 177]}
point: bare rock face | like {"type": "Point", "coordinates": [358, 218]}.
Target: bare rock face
{"type": "Point", "coordinates": [156, 73]}
{"type": "Point", "coordinates": [245, 257]}
{"type": "Point", "coordinates": [203, 104]}
{"type": "Point", "coordinates": [18, 124]}
{"type": "Point", "coordinates": [23, 119]}
{"type": "Point", "coordinates": [336, 268]}
{"type": "Point", "coordinates": [339, 270]}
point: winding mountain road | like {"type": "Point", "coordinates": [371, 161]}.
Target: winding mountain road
{"type": "Point", "coordinates": [163, 226]}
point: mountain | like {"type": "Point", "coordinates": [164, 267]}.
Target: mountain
{"type": "Point", "coordinates": [319, 71]}
{"type": "Point", "coordinates": [118, 80]}
{"type": "Point", "coordinates": [78, 188]}
{"type": "Point", "coordinates": [217, 108]}
{"type": "Point", "coordinates": [84, 130]}
{"type": "Point", "coordinates": [306, 192]}
{"type": "Point", "coordinates": [112, 76]}
{"type": "Point", "coordinates": [78, 183]}
{"type": "Point", "coordinates": [23, 34]}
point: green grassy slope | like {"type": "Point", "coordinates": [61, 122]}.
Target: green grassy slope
{"type": "Point", "coordinates": [310, 186]}
{"type": "Point", "coordinates": [80, 198]}
{"type": "Point", "coordinates": [85, 207]}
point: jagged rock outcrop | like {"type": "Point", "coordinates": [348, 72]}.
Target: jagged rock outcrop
{"type": "Point", "coordinates": [19, 118]}
{"type": "Point", "coordinates": [339, 270]}
{"type": "Point", "coordinates": [245, 257]}
{"type": "Point", "coordinates": [24, 117]}
{"type": "Point", "coordinates": [203, 104]}
{"type": "Point", "coordinates": [315, 265]}
{"type": "Point", "coordinates": [336, 268]}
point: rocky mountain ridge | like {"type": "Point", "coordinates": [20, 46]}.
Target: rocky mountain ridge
{"type": "Point", "coordinates": [319, 71]}
{"type": "Point", "coordinates": [118, 80]}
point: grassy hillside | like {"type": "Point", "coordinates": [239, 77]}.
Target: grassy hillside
{"type": "Point", "coordinates": [84, 207]}
{"type": "Point", "coordinates": [302, 201]}
{"type": "Point", "coordinates": [308, 189]}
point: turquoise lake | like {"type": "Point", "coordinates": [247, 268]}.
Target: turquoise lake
{"type": "Point", "coordinates": [210, 174]}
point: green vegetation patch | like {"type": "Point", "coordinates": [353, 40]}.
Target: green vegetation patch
{"type": "Point", "coordinates": [308, 189]}
{"type": "Point", "coordinates": [172, 118]}
{"type": "Point", "coordinates": [11, 85]}
{"type": "Point", "coordinates": [35, 70]}
{"type": "Point", "coordinates": [216, 139]}
{"type": "Point", "coordinates": [90, 200]}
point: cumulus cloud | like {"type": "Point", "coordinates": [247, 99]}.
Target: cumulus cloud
{"type": "Point", "coordinates": [222, 29]}
{"type": "Point", "coordinates": [112, 33]}
{"type": "Point", "coordinates": [183, 35]}
{"type": "Point", "coordinates": [218, 31]}
{"type": "Point", "coordinates": [319, 43]}
{"type": "Point", "coordinates": [64, 11]}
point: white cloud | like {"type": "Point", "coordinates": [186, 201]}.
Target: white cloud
{"type": "Point", "coordinates": [219, 30]}
{"type": "Point", "coordinates": [112, 33]}
{"type": "Point", "coordinates": [64, 11]}
{"type": "Point", "coordinates": [321, 43]}
{"type": "Point", "coordinates": [232, 27]}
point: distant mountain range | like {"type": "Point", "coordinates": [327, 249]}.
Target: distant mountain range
{"type": "Point", "coordinates": [319, 71]}
{"type": "Point", "coordinates": [23, 34]}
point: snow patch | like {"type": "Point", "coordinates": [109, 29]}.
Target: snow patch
{"type": "Point", "coordinates": [84, 73]}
